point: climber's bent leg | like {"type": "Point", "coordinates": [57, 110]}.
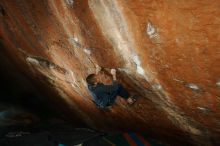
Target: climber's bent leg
{"type": "Point", "coordinates": [123, 92]}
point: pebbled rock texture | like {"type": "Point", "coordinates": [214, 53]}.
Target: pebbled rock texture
{"type": "Point", "coordinates": [167, 52]}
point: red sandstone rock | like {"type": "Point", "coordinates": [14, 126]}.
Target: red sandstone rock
{"type": "Point", "coordinates": [166, 51]}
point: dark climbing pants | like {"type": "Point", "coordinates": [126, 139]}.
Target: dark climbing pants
{"type": "Point", "coordinates": [122, 92]}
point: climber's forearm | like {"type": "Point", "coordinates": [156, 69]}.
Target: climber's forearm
{"type": "Point", "coordinates": [114, 77]}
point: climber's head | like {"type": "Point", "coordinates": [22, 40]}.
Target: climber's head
{"type": "Point", "coordinates": [92, 79]}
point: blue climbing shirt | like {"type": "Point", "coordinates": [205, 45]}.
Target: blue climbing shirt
{"type": "Point", "coordinates": [104, 95]}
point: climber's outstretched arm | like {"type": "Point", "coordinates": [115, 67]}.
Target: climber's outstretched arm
{"type": "Point", "coordinates": [113, 72]}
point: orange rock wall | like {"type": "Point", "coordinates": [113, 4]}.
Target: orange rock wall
{"type": "Point", "coordinates": [166, 51]}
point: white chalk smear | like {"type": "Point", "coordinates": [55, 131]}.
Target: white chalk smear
{"type": "Point", "coordinates": [137, 61]}
{"type": "Point", "coordinates": [158, 86]}
{"type": "Point", "coordinates": [193, 86]}
{"type": "Point", "coordinates": [203, 109]}
{"type": "Point", "coordinates": [152, 32]}
{"type": "Point", "coordinates": [73, 40]}
{"type": "Point", "coordinates": [150, 29]}
{"type": "Point", "coordinates": [140, 70]}
{"type": "Point", "coordinates": [32, 60]}
{"type": "Point", "coordinates": [87, 51]}
{"type": "Point", "coordinates": [218, 83]}
{"type": "Point", "coordinates": [70, 2]}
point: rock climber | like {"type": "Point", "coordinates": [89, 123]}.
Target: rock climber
{"type": "Point", "coordinates": [105, 95]}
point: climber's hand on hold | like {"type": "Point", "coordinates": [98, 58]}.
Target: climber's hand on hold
{"type": "Point", "coordinates": [113, 72]}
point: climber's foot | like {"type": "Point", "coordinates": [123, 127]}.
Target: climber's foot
{"type": "Point", "coordinates": [131, 100]}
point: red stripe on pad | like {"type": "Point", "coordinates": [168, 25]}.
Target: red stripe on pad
{"type": "Point", "coordinates": [129, 139]}
{"type": "Point", "coordinates": [142, 139]}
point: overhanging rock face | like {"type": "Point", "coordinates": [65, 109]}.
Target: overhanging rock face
{"type": "Point", "coordinates": [166, 51]}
